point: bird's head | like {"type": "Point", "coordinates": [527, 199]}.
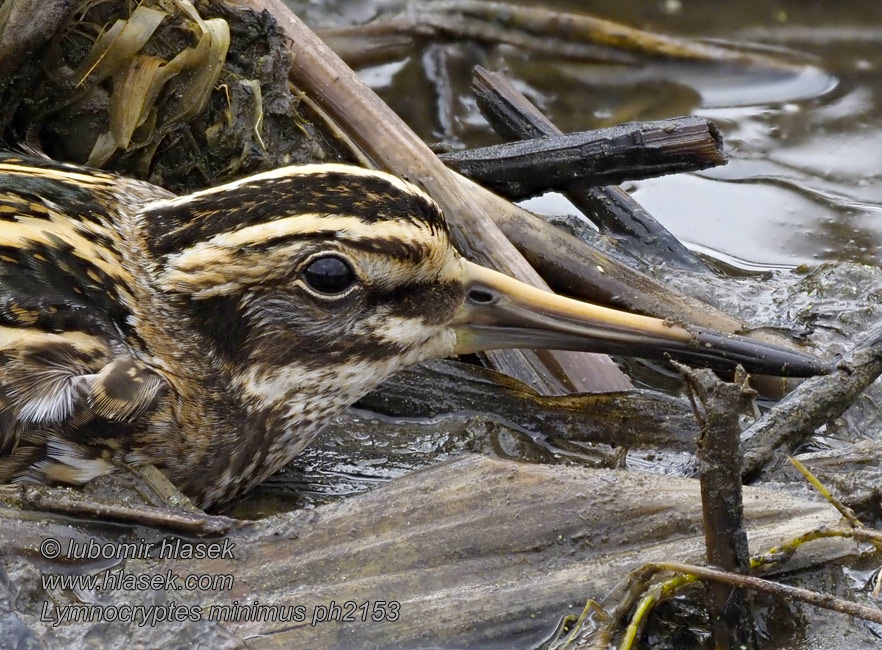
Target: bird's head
{"type": "Point", "coordinates": [323, 268]}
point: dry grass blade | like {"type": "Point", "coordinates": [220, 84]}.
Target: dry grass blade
{"type": "Point", "coordinates": [119, 44]}
{"type": "Point", "coordinates": [140, 79]}
{"type": "Point", "coordinates": [205, 67]}
{"type": "Point", "coordinates": [135, 90]}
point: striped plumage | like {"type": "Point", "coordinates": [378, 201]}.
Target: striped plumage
{"type": "Point", "coordinates": [212, 335]}
{"type": "Point", "coordinates": [141, 327]}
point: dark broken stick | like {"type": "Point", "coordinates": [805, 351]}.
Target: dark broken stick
{"type": "Point", "coordinates": [815, 402]}
{"type": "Point", "coordinates": [719, 462]}
{"type": "Point", "coordinates": [526, 168]}
{"type": "Point", "coordinates": [612, 209]}
{"type": "Point", "coordinates": [574, 267]}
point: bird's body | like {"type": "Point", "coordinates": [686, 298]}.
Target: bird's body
{"type": "Point", "coordinates": [213, 335]}
{"type": "Point", "coordinates": [126, 332]}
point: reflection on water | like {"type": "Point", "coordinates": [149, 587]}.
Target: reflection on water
{"type": "Point", "coordinates": [804, 184]}
{"type": "Point", "coordinates": [805, 180]}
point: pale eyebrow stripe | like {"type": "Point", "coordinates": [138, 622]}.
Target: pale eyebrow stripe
{"type": "Point", "coordinates": [352, 228]}
{"type": "Point", "coordinates": [290, 172]}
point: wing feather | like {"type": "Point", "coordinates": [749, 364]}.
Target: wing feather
{"type": "Point", "coordinates": [72, 385]}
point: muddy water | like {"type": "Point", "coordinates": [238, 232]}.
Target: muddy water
{"type": "Point", "coordinates": [804, 182]}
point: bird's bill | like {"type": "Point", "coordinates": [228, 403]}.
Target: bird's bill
{"type": "Point", "coordinates": [501, 312]}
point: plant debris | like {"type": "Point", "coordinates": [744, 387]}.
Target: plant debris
{"type": "Point", "coordinates": [184, 95]}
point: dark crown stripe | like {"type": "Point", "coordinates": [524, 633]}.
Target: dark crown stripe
{"type": "Point", "coordinates": [178, 224]}
{"type": "Point", "coordinates": [397, 248]}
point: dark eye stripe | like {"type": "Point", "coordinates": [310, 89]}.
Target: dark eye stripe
{"type": "Point", "coordinates": [421, 300]}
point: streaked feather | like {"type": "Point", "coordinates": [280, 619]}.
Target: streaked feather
{"type": "Point", "coordinates": [140, 327]}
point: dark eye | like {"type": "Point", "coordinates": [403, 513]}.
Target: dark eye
{"type": "Point", "coordinates": [328, 275]}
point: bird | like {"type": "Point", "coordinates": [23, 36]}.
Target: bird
{"type": "Point", "coordinates": [212, 335]}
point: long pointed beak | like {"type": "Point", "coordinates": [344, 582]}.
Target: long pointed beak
{"type": "Point", "coordinates": [501, 312]}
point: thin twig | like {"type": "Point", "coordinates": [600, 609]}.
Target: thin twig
{"type": "Point", "coordinates": [753, 583]}
{"type": "Point", "coordinates": [843, 509]}
{"type": "Point", "coordinates": [638, 597]}
{"type": "Point", "coordinates": [69, 502]}
{"type": "Point", "coordinates": [780, 554]}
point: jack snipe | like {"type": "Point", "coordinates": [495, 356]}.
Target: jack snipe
{"type": "Point", "coordinates": [213, 335]}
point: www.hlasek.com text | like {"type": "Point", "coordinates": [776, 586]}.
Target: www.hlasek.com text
{"type": "Point", "coordinates": [112, 580]}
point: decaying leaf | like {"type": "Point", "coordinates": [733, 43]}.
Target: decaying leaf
{"type": "Point", "coordinates": [153, 90]}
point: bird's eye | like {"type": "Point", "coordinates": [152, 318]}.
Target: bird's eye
{"type": "Point", "coordinates": [329, 275]}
